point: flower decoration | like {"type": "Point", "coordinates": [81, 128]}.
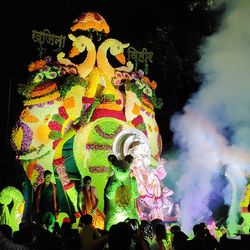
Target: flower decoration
{"type": "Point", "coordinates": [122, 197]}
{"type": "Point", "coordinates": [27, 117]}
{"type": "Point", "coordinates": [71, 81]}
{"type": "Point", "coordinates": [90, 21]}
{"type": "Point", "coordinates": [34, 66]}
{"type": "Point", "coordinates": [21, 137]}
{"type": "Point", "coordinates": [38, 77]}
{"type": "Point", "coordinates": [42, 80]}
{"type": "Point", "coordinates": [139, 84]}
{"type": "Point", "coordinates": [44, 99]}
{"type": "Point", "coordinates": [144, 89]}
{"type": "Point", "coordinates": [39, 64]}
{"type": "Point", "coordinates": [10, 193]}
{"type": "Point", "coordinates": [147, 91]}
{"type": "Point", "coordinates": [138, 75]}
{"type": "Point", "coordinates": [152, 84]}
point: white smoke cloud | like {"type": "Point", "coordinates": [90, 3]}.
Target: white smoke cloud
{"type": "Point", "coordinates": [213, 132]}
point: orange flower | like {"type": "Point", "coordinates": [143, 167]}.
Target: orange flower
{"type": "Point", "coordinates": [91, 20]}
{"type": "Point", "coordinates": [45, 91]}
{"type": "Point", "coordinates": [152, 84]}
{"type": "Point", "coordinates": [147, 104]}
{"type": "Point", "coordinates": [28, 117]}
{"type": "Point", "coordinates": [31, 169]}
{"type": "Point", "coordinates": [34, 66]}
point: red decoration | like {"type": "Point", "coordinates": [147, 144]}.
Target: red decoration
{"type": "Point", "coordinates": [137, 120]}
{"type": "Point", "coordinates": [63, 113]}
{"type": "Point", "coordinates": [55, 143]}
{"type": "Point", "coordinates": [87, 100]}
{"type": "Point", "coordinates": [99, 113]}
{"type": "Point", "coordinates": [53, 125]}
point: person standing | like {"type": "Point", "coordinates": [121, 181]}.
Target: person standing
{"type": "Point", "coordinates": [88, 202]}
{"type": "Point", "coordinates": [46, 197]}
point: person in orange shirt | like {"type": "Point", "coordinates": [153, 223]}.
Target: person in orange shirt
{"type": "Point", "coordinates": [88, 202]}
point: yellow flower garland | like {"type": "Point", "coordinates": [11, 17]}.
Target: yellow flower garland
{"type": "Point", "coordinates": [44, 99]}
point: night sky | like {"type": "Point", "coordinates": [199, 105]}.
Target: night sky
{"type": "Point", "coordinates": [171, 29]}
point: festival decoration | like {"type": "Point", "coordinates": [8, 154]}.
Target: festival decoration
{"type": "Point", "coordinates": [121, 192]}
{"type": "Point", "coordinates": [75, 111]}
{"type": "Point", "coordinates": [155, 199]}
{"type": "Point", "coordinates": [12, 215]}
{"type": "Point", "coordinates": [90, 21]}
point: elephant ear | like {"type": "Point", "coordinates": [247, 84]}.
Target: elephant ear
{"type": "Point", "coordinates": [129, 158]}
{"type": "Point", "coordinates": [112, 159]}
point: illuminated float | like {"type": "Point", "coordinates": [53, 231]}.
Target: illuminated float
{"type": "Point", "coordinates": [78, 109]}
{"type": "Point", "coordinates": [12, 205]}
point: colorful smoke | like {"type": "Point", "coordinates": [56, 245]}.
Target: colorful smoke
{"type": "Point", "coordinates": [212, 133]}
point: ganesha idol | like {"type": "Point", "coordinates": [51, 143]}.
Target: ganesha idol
{"type": "Point", "coordinates": [155, 200]}
{"type": "Point", "coordinates": [78, 109]}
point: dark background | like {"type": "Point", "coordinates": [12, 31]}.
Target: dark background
{"type": "Point", "coordinates": [172, 30]}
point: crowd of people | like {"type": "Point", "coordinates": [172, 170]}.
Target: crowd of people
{"type": "Point", "coordinates": [126, 235]}
{"type": "Point", "coordinates": [45, 232]}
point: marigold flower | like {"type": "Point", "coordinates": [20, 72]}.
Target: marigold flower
{"type": "Point", "coordinates": [34, 66]}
